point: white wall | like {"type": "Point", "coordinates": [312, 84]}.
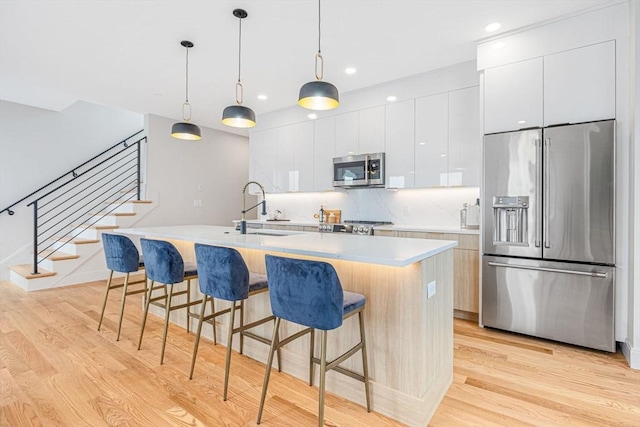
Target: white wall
{"type": "Point", "coordinates": [212, 170]}
{"type": "Point", "coordinates": [37, 146]}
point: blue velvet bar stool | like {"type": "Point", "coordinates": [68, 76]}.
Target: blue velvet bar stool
{"type": "Point", "coordinates": [309, 293]}
{"type": "Point", "coordinates": [223, 274]}
{"type": "Point", "coordinates": [166, 268]}
{"type": "Point", "coordinates": [121, 256]}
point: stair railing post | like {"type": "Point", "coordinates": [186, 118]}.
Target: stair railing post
{"type": "Point", "coordinates": [35, 237]}
{"type": "Point", "coordinates": [138, 170]}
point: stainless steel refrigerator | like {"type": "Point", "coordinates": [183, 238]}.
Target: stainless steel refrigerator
{"type": "Point", "coordinates": [548, 233]}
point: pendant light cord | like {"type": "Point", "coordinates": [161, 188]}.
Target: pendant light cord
{"type": "Point", "coordinates": [186, 95]}
{"type": "Point", "coordinates": [319, 31]}
{"type": "Point", "coordinates": [239, 47]}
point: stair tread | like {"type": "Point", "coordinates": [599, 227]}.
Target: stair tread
{"type": "Point", "coordinates": [57, 255]}
{"type": "Point", "coordinates": [76, 241]}
{"type": "Point", "coordinates": [113, 213]}
{"type": "Point", "coordinates": [96, 227]}
{"type": "Point", "coordinates": [25, 270]}
{"type": "Point", "coordinates": [128, 201]}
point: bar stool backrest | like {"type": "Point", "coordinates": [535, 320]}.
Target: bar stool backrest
{"type": "Point", "coordinates": [222, 273]}
{"type": "Point", "coordinates": [120, 253]}
{"type": "Point", "coordinates": [162, 261]}
{"type": "Point", "coordinates": [305, 292]}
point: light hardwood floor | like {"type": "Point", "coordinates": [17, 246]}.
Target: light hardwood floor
{"type": "Point", "coordinates": [56, 369]}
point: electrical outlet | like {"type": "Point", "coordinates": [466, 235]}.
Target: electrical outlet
{"type": "Point", "coordinates": [197, 203]}
{"type": "Point", "coordinates": [431, 289]}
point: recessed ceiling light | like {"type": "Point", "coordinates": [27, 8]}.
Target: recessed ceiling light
{"type": "Point", "coordinates": [499, 45]}
{"type": "Point", "coordinates": [392, 98]}
{"type": "Point", "coordinates": [443, 155]}
{"type": "Point", "coordinates": [494, 26]}
{"type": "Point", "coordinates": [350, 70]}
{"type": "Point", "coordinates": [422, 143]}
{"type": "Point", "coordinates": [521, 122]}
{"type": "Point", "coordinates": [262, 97]}
{"type": "Point", "coordinates": [312, 116]}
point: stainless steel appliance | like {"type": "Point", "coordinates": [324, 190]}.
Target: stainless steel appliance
{"type": "Point", "coordinates": [351, 227]}
{"type": "Point", "coordinates": [548, 233]}
{"type": "Point", "coordinates": [363, 170]}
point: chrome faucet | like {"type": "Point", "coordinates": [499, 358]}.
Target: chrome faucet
{"type": "Point", "coordinates": [243, 221]}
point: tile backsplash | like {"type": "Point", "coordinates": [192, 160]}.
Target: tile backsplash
{"type": "Point", "coordinates": [429, 207]}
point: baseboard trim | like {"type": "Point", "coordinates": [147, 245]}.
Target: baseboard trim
{"type": "Point", "coordinates": [631, 354]}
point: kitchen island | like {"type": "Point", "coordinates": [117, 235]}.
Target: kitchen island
{"type": "Point", "coordinates": [409, 315]}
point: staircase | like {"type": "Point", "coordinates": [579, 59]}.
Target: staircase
{"type": "Point", "coordinates": [71, 212]}
{"type": "Point", "coordinates": [80, 259]}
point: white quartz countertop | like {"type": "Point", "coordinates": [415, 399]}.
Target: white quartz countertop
{"type": "Point", "coordinates": [427, 229]}
{"type": "Point", "coordinates": [398, 252]}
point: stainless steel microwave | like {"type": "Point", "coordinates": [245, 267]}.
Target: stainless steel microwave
{"type": "Point", "coordinates": [363, 170]}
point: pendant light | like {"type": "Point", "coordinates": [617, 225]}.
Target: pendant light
{"type": "Point", "coordinates": [184, 129]}
{"type": "Point", "coordinates": [239, 116]}
{"type": "Point", "coordinates": [319, 95]}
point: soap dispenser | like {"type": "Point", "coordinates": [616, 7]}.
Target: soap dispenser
{"type": "Point", "coordinates": [463, 215]}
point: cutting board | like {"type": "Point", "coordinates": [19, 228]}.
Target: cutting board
{"type": "Point", "coordinates": [336, 212]}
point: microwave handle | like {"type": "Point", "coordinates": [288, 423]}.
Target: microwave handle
{"type": "Point", "coordinates": [367, 165]}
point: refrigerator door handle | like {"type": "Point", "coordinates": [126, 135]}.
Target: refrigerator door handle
{"type": "Point", "coordinates": [598, 274]}
{"type": "Point", "coordinates": [538, 144]}
{"type": "Point", "coordinates": [545, 189]}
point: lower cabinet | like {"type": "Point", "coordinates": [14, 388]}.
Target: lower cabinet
{"type": "Point", "coordinates": [466, 268]}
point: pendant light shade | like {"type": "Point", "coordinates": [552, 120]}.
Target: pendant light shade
{"type": "Point", "coordinates": [239, 116]}
{"type": "Point", "coordinates": [318, 94]}
{"type": "Point", "coordinates": [185, 130]}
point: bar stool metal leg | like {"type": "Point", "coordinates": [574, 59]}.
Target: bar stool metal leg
{"type": "Point", "coordinates": [166, 324]}
{"type": "Point", "coordinates": [227, 362]}
{"type": "Point", "coordinates": [197, 340]}
{"type": "Point", "coordinates": [365, 367]}
{"type": "Point", "coordinates": [146, 311]}
{"type": "Point", "coordinates": [124, 298]}
{"type": "Point", "coordinates": [323, 374]}
{"type": "Point", "coordinates": [106, 295]}
{"type": "Point", "coordinates": [274, 344]}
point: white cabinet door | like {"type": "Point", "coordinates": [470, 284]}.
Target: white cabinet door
{"type": "Point", "coordinates": [347, 134]}
{"type": "Point", "coordinates": [371, 130]}
{"type": "Point", "coordinates": [263, 149]}
{"type": "Point", "coordinates": [465, 143]}
{"type": "Point", "coordinates": [399, 130]}
{"type": "Point", "coordinates": [285, 164]}
{"type": "Point", "coordinates": [580, 85]}
{"type": "Point", "coordinates": [301, 178]}
{"type": "Point", "coordinates": [513, 96]}
{"type": "Point", "coordinates": [431, 142]}
{"type": "Point", "coordinates": [323, 152]}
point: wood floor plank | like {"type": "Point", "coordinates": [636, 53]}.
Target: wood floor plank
{"type": "Point", "coordinates": [56, 369]}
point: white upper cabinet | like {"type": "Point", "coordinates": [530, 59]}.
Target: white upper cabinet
{"type": "Point", "coordinates": [263, 149]}
{"type": "Point", "coordinates": [513, 96]}
{"type": "Point", "coordinates": [371, 130]}
{"type": "Point", "coordinates": [465, 142]}
{"type": "Point", "coordinates": [323, 153]}
{"type": "Point", "coordinates": [285, 159]}
{"type": "Point", "coordinates": [347, 134]}
{"type": "Point", "coordinates": [301, 177]}
{"type": "Point", "coordinates": [431, 140]}
{"type": "Point", "coordinates": [579, 85]}
{"type": "Point", "coordinates": [399, 129]}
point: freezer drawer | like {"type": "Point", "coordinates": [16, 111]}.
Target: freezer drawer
{"type": "Point", "coordinates": [571, 303]}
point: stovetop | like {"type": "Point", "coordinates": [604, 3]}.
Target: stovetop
{"type": "Point", "coordinates": [351, 227]}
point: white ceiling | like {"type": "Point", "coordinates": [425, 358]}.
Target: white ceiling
{"type": "Point", "coordinates": [127, 54]}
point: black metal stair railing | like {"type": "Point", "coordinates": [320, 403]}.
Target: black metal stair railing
{"type": "Point", "coordinates": [77, 200]}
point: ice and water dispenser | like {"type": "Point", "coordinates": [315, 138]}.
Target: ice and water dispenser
{"type": "Point", "coordinates": [510, 220]}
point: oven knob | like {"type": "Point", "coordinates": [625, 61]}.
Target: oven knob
{"type": "Point", "coordinates": [365, 230]}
